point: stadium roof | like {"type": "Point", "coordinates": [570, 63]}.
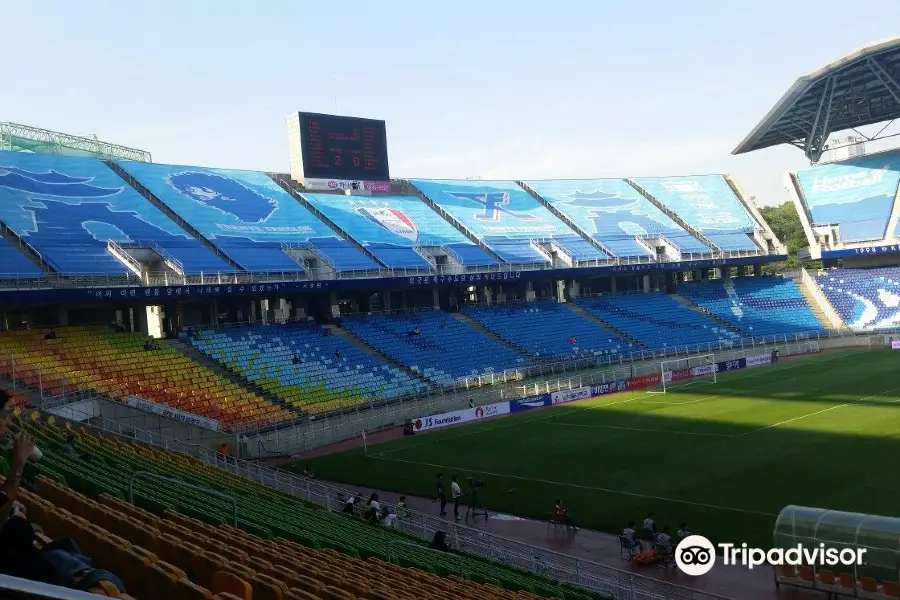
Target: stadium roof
{"type": "Point", "coordinates": [859, 89]}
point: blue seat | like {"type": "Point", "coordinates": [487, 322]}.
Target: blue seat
{"type": "Point", "coordinates": [68, 208]}
{"type": "Point", "coordinates": [758, 306]}
{"type": "Point", "coordinates": [445, 350]}
{"type": "Point", "coordinates": [658, 321]}
{"type": "Point", "coordinates": [615, 214]}
{"type": "Point", "coordinates": [548, 330]}
{"type": "Point", "coordinates": [515, 251]}
{"type": "Point", "coordinates": [343, 255]}
{"type": "Point", "coordinates": [580, 249]}
{"type": "Point", "coordinates": [866, 299]}
{"type": "Point", "coordinates": [471, 255]}
{"type": "Point", "coordinates": [266, 352]}
{"type": "Point", "coordinates": [856, 195]}
{"type": "Point", "coordinates": [732, 242]}
{"type": "Point", "coordinates": [14, 264]}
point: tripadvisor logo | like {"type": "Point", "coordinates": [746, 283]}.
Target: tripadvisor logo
{"type": "Point", "coordinates": [696, 555]}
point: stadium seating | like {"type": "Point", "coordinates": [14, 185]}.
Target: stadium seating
{"type": "Point", "coordinates": [446, 350]}
{"type": "Point", "coordinates": [14, 264]}
{"type": "Point", "coordinates": [856, 195]}
{"type": "Point", "coordinates": [546, 329]}
{"type": "Point", "coordinates": [503, 216]}
{"type": "Point", "coordinates": [708, 204]}
{"type": "Point", "coordinates": [657, 320]}
{"type": "Point", "coordinates": [264, 354]}
{"type": "Point", "coordinates": [866, 299]}
{"type": "Point", "coordinates": [68, 208]}
{"type": "Point", "coordinates": [115, 364]}
{"type": "Point", "coordinates": [579, 249]}
{"type": "Point", "coordinates": [247, 215]}
{"type": "Point", "coordinates": [615, 214]}
{"type": "Point", "coordinates": [758, 306]}
{"type": "Point", "coordinates": [180, 543]}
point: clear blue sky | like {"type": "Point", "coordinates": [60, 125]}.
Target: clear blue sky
{"type": "Point", "coordinates": [496, 88]}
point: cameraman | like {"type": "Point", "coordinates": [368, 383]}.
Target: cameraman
{"type": "Point", "coordinates": [455, 493]}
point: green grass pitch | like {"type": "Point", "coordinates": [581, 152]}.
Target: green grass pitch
{"type": "Point", "coordinates": [819, 431]}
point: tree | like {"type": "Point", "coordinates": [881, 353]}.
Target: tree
{"type": "Point", "coordinates": [785, 222]}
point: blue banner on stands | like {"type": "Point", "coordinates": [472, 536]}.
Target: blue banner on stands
{"type": "Point", "coordinates": [731, 365]}
{"type": "Point", "coordinates": [523, 404]}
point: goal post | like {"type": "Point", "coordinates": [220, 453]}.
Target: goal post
{"type": "Point", "coordinates": [682, 372]}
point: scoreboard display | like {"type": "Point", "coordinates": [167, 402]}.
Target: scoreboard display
{"type": "Point", "coordinates": [343, 148]}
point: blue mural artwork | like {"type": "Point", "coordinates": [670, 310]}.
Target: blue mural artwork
{"type": "Point", "coordinates": [246, 215]}
{"type": "Point", "coordinates": [857, 195]}
{"type": "Point", "coordinates": [68, 208]}
{"type": "Point", "coordinates": [615, 214]}
{"type": "Point", "coordinates": [506, 218]}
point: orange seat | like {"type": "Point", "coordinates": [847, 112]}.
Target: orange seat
{"type": "Point", "coordinates": [224, 581]}
{"type": "Point", "coordinates": [869, 584]}
{"type": "Point", "coordinates": [267, 588]}
{"type": "Point", "coordinates": [185, 590]}
{"type": "Point", "coordinates": [806, 574]}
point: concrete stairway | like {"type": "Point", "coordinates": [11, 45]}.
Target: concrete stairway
{"type": "Point", "coordinates": [484, 330]}
{"type": "Point", "coordinates": [352, 339]}
{"type": "Point", "coordinates": [814, 305]}
{"type": "Point", "coordinates": [203, 360]}
{"type": "Point", "coordinates": [708, 315]}
{"type": "Point", "coordinates": [598, 321]}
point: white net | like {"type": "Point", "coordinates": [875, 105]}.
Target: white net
{"type": "Point", "coordinates": [685, 372]}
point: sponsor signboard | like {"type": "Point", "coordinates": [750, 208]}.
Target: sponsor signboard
{"type": "Point", "coordinates": [172, 413]}
{"type": "Point", "coordinates": [328, 185]}
{"type": "Point", "coordinates": [570, 395]}
{"type": "Point", "coordinates": [644, 381]}
{"type": "Point", "coordinates": [895, 344]}
{"type": "Point", "coordinates": [523, 404]}
{"type": "Point", "coordinates": [461, 416]}
{"type": "Point", "coordinates": [732, 365]}
{"type": "Point", "coordinates": [703, 370]}
{"type": "Point", "coordinates": [759, 359]}
{"type": "Point", "coordinates": [610, 387]}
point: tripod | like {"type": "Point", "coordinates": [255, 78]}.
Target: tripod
{"type": "Point", "coordinates": [475, 508]}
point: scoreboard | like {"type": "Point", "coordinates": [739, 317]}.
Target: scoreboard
{"type": "Point", "coordinates": [330, 152]}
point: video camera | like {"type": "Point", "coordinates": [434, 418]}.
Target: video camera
{"type": "Point", "coordinates": [475, 483]}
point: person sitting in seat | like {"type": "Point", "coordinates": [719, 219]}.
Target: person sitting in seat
{"type": "Point", "coordinates": [401, 507]}
{"type": "Point", "coordinates": [51, 335]}
{"type": "Point", "coordinates": [663, 541]}
{"type": "Point", "coordinates": [338, 355]}
{"type": "Point", "coordinates": [648, 529]}
{"type": "Point", "coordinates": [562, 516]}
{"type": "Point", "coordinates": [70, 449]}
{"type": "Point", "coordinates": [57, 563]}
{"type": "Point", "coordinates": [628, 535]}
{"type": "Point", "coordinates": [439, 542]}
{"type": "Point", "coordinates": [351, 502]}
{"type": "Point", "coordinates": [297, 359]}
{"type": "Point", "coordinates": [683, 531]}
{"type": "Point", "coordinates": [372, 512]}
{"type": "Point", "coordinates": [308, 472]}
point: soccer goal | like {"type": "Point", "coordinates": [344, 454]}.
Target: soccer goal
{"type": "Point", "coordinates": [683, 372]}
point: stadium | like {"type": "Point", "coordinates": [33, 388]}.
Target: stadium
{"type": "Point", "coordinates": [186, 345]}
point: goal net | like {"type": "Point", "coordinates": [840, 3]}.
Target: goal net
{"type": "Point", "coordinates": [684, 372]}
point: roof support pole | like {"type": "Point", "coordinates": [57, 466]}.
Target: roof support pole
{"type": "Point", "coordinates": [818, 134]}
{"type": "Point", "coordinates": [883, 75]}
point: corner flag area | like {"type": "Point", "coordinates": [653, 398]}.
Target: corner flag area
{"type": "Point", "coordinates": [726, 457]}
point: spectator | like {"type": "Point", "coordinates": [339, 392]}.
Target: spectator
{"type": "Point", "coordinates": [308, 472]}
{"type": "Point", "coordinates": [297, 359]}
{"type": "Point", "coordinates": [373, 509]}
{"type": "Point", "coordinates": [664, 540]}
{"type": "Point", "coordinates": [58, 563]}
{"type": "Point", "coordinates": [338, 355]}
{"type": "Point", "coordinates": [562, 516]}
{"type": "Point", "coordinates": [628, 533]}
{"type": "Point", "coordinates": [51, 335]}
{"type": "Point", "coordinates": [350, 503]}
{"type": "Point", "coordinates": [456, 493]}
{"type": "Point", "coordinates": [439, 542]}
{"type": "Point", "coordinates": [683, 531]}
{"type": "Point", "coordinates": [648, 529]}
{"type": "Point", "coordinates": [70, 449]}
{"type": "Point", "coordinates": [442, 494]}
{"type": "Point", "coordinates": [401, 507]}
